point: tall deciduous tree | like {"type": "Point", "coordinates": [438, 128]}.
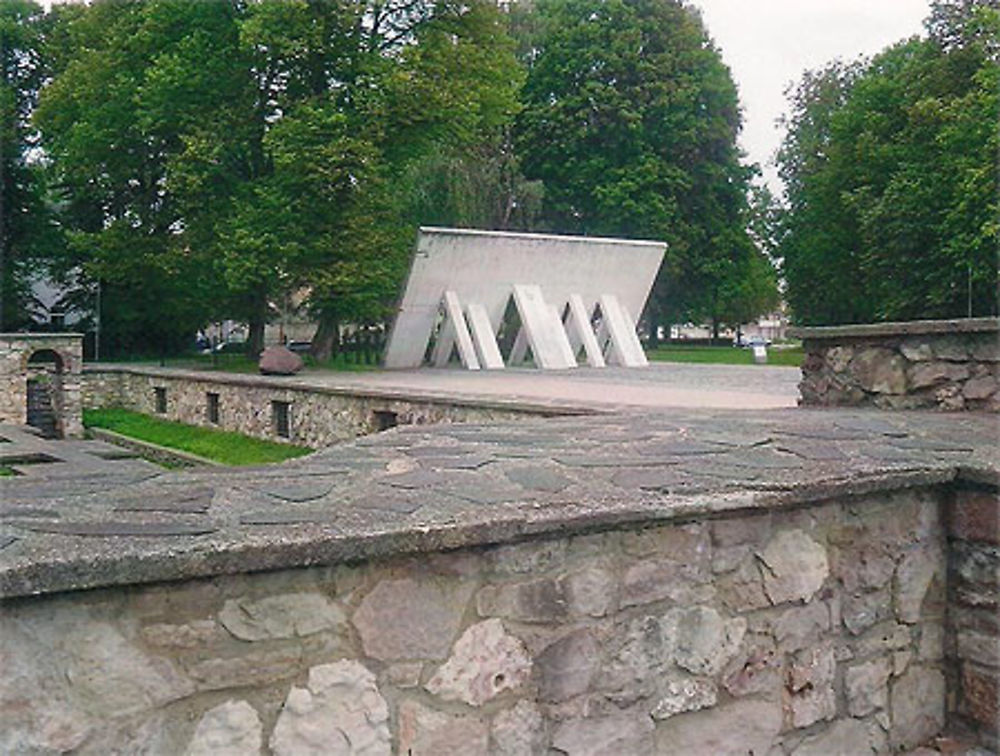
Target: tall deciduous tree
{"type": "Point", "coordinates": [26, 229]}
{"type": "Point", "coordinates": [891, 180]}
{"type": "Point", "coordinates": [630, 119]}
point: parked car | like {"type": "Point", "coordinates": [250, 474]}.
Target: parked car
{"type": "Point", "coordinates": [749, 342]}
{"type": "Point", "coordinates": [299, 347]}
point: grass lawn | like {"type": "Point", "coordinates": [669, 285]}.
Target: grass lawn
{"type": "Point", "coordinates": [6, 472]}
{"type": "Point", "coordinates": [724, 355]}
{"type": "Point", "coordinates": [222, 446]}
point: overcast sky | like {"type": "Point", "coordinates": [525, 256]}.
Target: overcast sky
{"type": "Point", "coordinates": [767, 44]}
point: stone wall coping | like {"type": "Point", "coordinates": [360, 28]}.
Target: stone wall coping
{"type": "Point", "coordinates": [902, 328]}
{"type": "Point", "coordinates": [431, 488]}
{"type": "Point", "coordinates": [14, 336]}
{"type": "Point", "coordinates": [293, 383]}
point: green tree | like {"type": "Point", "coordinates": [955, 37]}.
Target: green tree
{"type": "Point", "coordinates": [26, 227]}
{"type": "Point", "coordinates": [891, 181]}
{"type": "Point", "coordinates": [630, 120]}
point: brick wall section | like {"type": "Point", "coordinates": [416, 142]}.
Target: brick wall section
{"type": "Point", "coordinates": [974, 612]}
{"type": "Point", "coordinates": [317, 417]}
{"type": "Point", "coordinates": [946, 365]}
{"type": "Point", "coordinates": [814, 630]}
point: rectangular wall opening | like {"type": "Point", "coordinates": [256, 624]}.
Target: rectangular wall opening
{"type": "Point", "coordinates": [281, 413]}
{"type": "Point", "coordinates": [160, 398]}
{"type": "Point", "coordinates": [212, 407]}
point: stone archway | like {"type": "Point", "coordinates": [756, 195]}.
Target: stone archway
{"type": "Point", "coordinates": [42, 370]}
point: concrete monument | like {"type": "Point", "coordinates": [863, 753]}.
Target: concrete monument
{"type": "Point", "coordinates": [474, 292]}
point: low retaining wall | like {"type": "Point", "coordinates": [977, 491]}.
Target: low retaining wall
{"type": "Point", "coordinates": [941, 364]}
{"type": "Point", "coordinates": [814, 630]}
{"type": "Point", "coordinates": [316, 416]}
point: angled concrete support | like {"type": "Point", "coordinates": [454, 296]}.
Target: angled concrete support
{"type": "Point", "coordinates": [549, 345]}
{"type": "Point", "coordinates": [482, 335]}
{"type": "Point", "coordinates": [578, 325]}
{"type": "Point", "coordinates": [454, 331]}
{"type": "Point", "coordinates": [625, 348]}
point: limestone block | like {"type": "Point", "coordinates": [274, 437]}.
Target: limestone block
{"type": "Point", "coordinates": [879, 370]}
{"type": "Point", "coordinates": [741, 530]}
{"type": "Point", "coordinates": [795, 567]}
{"type": "Point", "coordinates": [706, 641]}
{"type": "Point", "coordinates": [931, 647]}
{"type": "Point", "coordinates": [680, 694]}
{"type": "Point", "coordinates": [285, 616]}
{"type": "Point", "coordinates": [986, 347]}
{"type": "Point", "coordinates": [838, 358]}
{"type": "Point", "coordinates": [623, 733]}
{"type": "Point", "coordinates": [916, 350]}
{"type": "Point", "coordinates": [425, 732]}
{"type": "Point", "coordinates": [883, 638]}
{"type": "Point", "coordinates": [913, 578]}
{"type": "Point", "coordinates": [810, 686]}
{"type": "Point", "coordinates": [926, 374]}
{"type": "Point", "coordinates": [799, 626]}
{"type": "Point", "coordinates": [246, 667]}
{"type": "Point", "coordinates": [862, 610]}
{"type": "Point", "coordinates": [845, 737]}
{"type": "Point", "coordinates": [519, 731]}
{"type": "Point", "coordinates": [485, 662]}
{"type": "Point", "coordinates": [980, 388]}
{"type": "Point", "coordinates": [917, 706]}
{"type": "Point", "coordinates": [187, 636]}
{"type": "Point", "coordinates": [542, 600]}
{"type": "Point", "coordinates": [566, 667]}
{"type": "Point", "coordinates": [864, 566]}
{"type": "Point", "coordinates": [230, 729]}
{"type": "Point", "coordinates": [340, 711]}
{"type": "Point", "coordinates": [645, 651]}
{"type": "Point", "coordinates": [756, 670]}
{"type": "Point", "coordinates": [528, 558]}
{"type": "Point", "coordinates": [951, 347]}
{"type": "Point", "coordinates": [683, 543]}
{"type": "Point", "coordinates": [590, 592]}
{"type": "Point", "coordinates": [656, 579]}
{"type": "Point", "coordinates": [411, 619]}
{"type": "Point", "coordinates": [867, 686]}
{"type": "Point", "coordinates": [736, 729]}
{"type": "Point", "coordinates": [743, 589]}
{"type": "Point", "coordinates": [279, 360]}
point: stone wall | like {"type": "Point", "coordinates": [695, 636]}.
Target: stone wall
{"type": "Point", "coordinates": [940, 364]}
{"type": "Point", "coordinates": [814, 630]}
{"type": "Point", "coordinates": [317, 417]}
{"type": "Point", "coordinates": [15, 351]}
{"type": "Point", "coordinates": [974, 602]}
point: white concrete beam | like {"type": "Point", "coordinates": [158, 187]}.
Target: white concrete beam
{"type": "Point", "coordinates": [482, 336]}
{"type": "Point", "coordinates": [543, 334]}
{"type": "Point", "coordinates": [578, 325]}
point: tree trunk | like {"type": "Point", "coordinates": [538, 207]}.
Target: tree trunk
{"type": "Point", "coordinates": [326, 340]}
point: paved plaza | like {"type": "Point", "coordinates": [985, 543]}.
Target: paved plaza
{"type": "Point", "coordinates": [660, 385]}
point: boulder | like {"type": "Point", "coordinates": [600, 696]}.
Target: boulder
{"type": "Point", "coordinates": [279, 360]}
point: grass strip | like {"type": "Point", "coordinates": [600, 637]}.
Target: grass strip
{"type": "Point", "coordinates": [225, 447]}
{"type": "Point", "coordinates": [723, 355]}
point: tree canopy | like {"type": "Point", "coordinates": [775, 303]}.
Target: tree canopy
{"type": "Point", "coordinates": [204, 160]}
{"type": "Point", "coordinates": [891, 178]}
{"type": "Point", "coordinates": [630, 119]}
